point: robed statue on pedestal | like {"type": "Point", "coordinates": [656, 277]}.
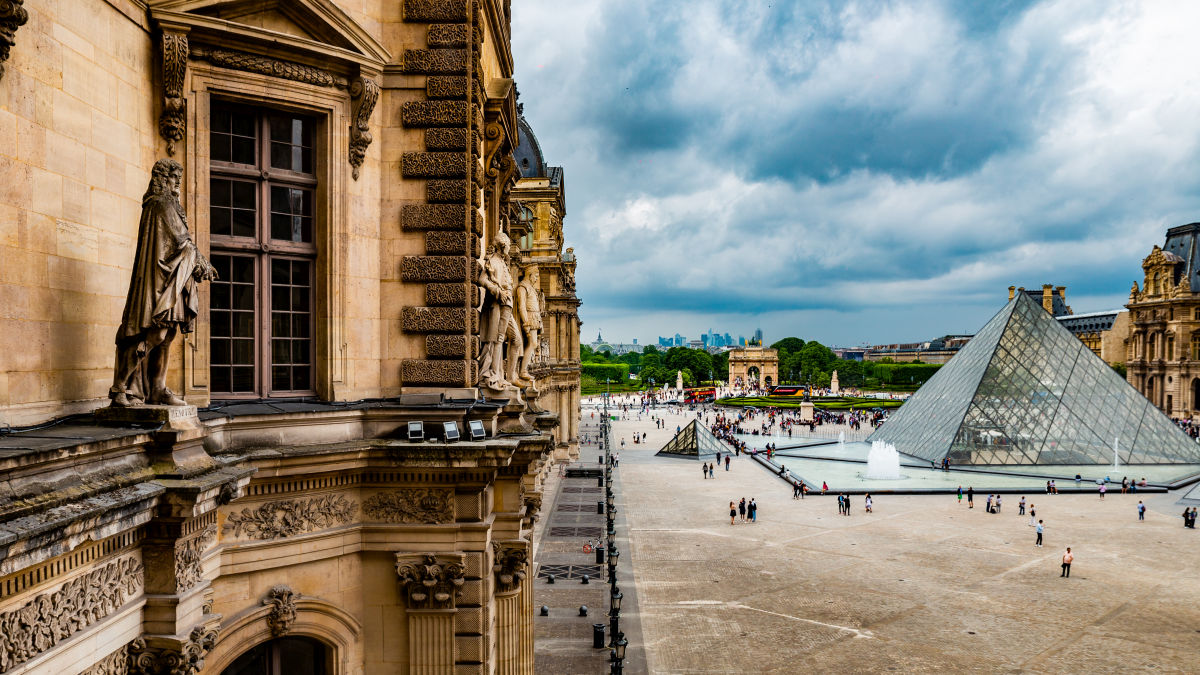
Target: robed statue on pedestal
{"type": "Point", "coordinates": [162, 300]}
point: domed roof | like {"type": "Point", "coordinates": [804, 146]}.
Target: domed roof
{"type": "Point", "coordinates": [529, 157]}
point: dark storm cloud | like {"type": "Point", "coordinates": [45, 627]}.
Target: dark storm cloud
{"type": "Point", "coordinates": [782, 161]}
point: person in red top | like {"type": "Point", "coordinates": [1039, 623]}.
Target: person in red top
{"type": "Point", "coordinates": [1067, 559]}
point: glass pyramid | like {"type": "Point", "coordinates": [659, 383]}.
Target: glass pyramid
{"type": "Point", "coordinates": [694, 440]}
{"type": "Point", "coordinates": [1025, 390]}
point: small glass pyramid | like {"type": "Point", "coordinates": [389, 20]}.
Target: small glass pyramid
{"type": "Point", "coordinates": [694, 440]}
{"type": "Point", "coordinates": [1026, 391]}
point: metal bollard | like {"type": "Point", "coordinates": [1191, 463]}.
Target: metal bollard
{"type": "Point", "coordinates": [599, 481]}
{"type": "Point", "coordinates": [597, 636]}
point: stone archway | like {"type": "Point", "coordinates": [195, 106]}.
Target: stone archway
{"type": "Point", "coordinates": [753, 375]}
{"type": "Point", "coordinates": [764, 360]}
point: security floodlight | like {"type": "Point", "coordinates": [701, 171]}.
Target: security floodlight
{"type": "Point", "coordinates": [476, 430]}
{"type": "Point", "coordinates": [450, 431]}
{"type": "Point", "coordinates": [416, 431]}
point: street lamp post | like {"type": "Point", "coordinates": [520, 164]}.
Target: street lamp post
{"type": "Point", "coordinates": [614, 616]}
{"type": "Point", "coordinates": [618, 655]}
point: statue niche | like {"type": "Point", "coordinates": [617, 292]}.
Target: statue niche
{"type": "Point", "coordinates": [162, 299]}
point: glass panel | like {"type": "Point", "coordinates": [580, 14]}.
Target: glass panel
{"type": "Point", "coordinates": [291, 315]}
{"type": "Point", "coordinates": [233, 137]}
{"type": "Point", "coordinates": [291, 144]}
{"type": "Point", "coordinates": [291, 214]}
{"type": "Point", "coordinates": [233, 206]}
{"type": "Point", "coordinates": [231, 316]}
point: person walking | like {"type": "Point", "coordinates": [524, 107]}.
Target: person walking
{"type": "Point", "coordinates": [847, 504]}
{"type": "Point", "coordinates": [1021, 506]}
{"type": "Point", "coordinates": [1141, 510]}
{"type": "Point", "coordinates": [742, 510]}
{"type": "Point", "coordinates": [1067, 559]}
{"type": "Point", "coordinates": [752, 509]}
{"type": "Point", "coordinates": [960, 495]}
{"type": "Point", "coordinates": [997, 503]}
{"type": "Point", "coordinates": [1041, 527]}
{"type": "Point", "coordinates": [842, 504]}
{"type": "Point", "coordinates": [867, 501]}
{"type": "Point", "coordinates": [970, 497]}
{"type": "Point", "coordinates": [732, 513]}
{"type": "Point", "coordinates": [803, 489]}
{"type": "Point", "coordinates": [1103, 489]}
{"type": "Point", "coordinates": [1032, 514]}
{"type": "Point", "coordinates": [726, 462]}
{"type": "Point", "coordinates": [988, 506]}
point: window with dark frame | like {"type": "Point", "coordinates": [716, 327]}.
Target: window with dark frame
{"type": "Point", "coordinates": [262, 185]}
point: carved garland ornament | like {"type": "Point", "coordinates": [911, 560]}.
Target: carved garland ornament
{"type": "Point", "coordinates": [50, 618]}
{"type": "Point", "coordinates": [284, 518]}
{"type": "Point", "coordinates": [415, 506]}
{"type": "Point", "coordinates": [509, 566]}
{"type": "Point", "coordinates": [173, 120]}
{"type": "Point", "coordinates": [187, 557]}
{"type": "Point", "coordinates": [282, 601]}
{"type": "Point", "coordinates": [264, 65]}
{"type": "Point", "coordinates": [430, 584]}
{"type": "Point", "coordinates": [365, 94]}
{"type": "Point", "coordinates": [186, 659]}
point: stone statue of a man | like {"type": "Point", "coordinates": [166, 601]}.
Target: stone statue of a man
{"type": "Point", "coordinates": [162, 298]}
{"type": "Point", "coordinates": [496, 303]}
{"type": "Point", "coordinates": [529, 312]}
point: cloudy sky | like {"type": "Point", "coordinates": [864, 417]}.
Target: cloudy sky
{"type": "Point", "coordinates": [859, 171]}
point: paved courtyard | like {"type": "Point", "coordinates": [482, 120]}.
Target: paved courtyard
{"type": "Point", "coordinates": [923, 584]}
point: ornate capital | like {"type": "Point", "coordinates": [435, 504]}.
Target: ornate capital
{"type": "Point", "coordinates": [282, 601]}
{"type": "Point", "coordinates": [173, 121]}
{"type": "Point", "coordinates": [510, 564]}
{"type": "Point", "coordinates": [12, 17]}
{"type": "Point", "coordinates": [431, 581]}
{"type": "Point", "coordinates": [364, 93]}
{"type": "Point", "coordinates": [172, 657]}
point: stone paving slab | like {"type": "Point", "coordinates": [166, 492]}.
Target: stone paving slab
{"type": "Point", "coordinates": [922, 585]}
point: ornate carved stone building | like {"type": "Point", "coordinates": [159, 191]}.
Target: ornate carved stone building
{"type": "Point", "coordinates": [541, 196]}
{"type": "Point", "coordinates": [1163, 350]}
{"type": "Point", "coordinates": [348, 169]}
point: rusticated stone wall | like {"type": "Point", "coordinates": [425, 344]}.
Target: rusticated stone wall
{"type": "Point", "coordinates": [451, 119]}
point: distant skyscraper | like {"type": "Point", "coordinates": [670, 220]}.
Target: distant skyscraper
{"type": "Point", "coordinates": [758, 336]}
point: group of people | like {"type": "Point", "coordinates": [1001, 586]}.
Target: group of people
{"type": "Point", "coordinates": [743, 511]}
{"type": "Point", "coordinates": [709, 468]}
{"type": "Point", "coordinates": [1189, 517]}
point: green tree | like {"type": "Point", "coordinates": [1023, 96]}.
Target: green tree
{"type": "Point", "coordinates": [789, 345]}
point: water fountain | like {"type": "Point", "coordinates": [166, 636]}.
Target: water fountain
{"type": "Point", "coordinates": [1116, 455]}
{"type": "Point", "coordinates": [883, 462]}
{"type": "Point", "coordinates": [841, 441]}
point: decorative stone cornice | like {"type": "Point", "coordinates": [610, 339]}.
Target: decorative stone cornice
{"type": "Point", "coordinates": [50, 618]}
{"type": "Point", "coordinates": [510, 564]}
{"type": "Point", "coordinates": [12, 17]}
{"type": "Point", "coordinates": [364, 93]}
{"type": "Point", "coordinates": [411, 506]}
{"type": "Point", "coordinates": [285, 518]}
{"type": "Point", "coordinates": [181, 658]}
{"type": "Point", "coordinates": [282, 601]}
{"type": "Point", "coordinates": [431, 581]}
{"type": "Point", "coordinates": [173, 121]}
{"type": "Point", "coordinates": [187, 557]}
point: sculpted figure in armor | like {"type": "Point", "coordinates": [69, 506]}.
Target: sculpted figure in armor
{"type": "Point", "coordinates": [162, 298]}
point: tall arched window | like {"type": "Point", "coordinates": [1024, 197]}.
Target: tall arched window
{"type": "Point", "coordinates": [283, 656]}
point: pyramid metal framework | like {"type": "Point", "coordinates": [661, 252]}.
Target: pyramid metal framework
{"type": "Point", "coordinates": [694, 440]}
{"type": "Point", "coordinates": [1025, 390]}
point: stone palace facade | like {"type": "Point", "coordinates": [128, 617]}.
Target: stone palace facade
{"type": "Point", "coordinates": [368, 372]}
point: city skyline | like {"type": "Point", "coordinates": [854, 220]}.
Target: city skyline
{"type": "Point", "coordinates": [879, 187]}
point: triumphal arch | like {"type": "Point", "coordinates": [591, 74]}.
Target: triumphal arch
{"type": "Point", "coordinates": [754, 365]}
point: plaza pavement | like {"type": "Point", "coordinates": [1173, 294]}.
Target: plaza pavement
{"type": "Point", "coordinates": [923, 584]}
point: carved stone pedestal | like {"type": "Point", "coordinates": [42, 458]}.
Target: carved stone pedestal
{"type": "Point", "coordinates": [806, 411]}
{"type": "Point", "coordinates": [178, 450]}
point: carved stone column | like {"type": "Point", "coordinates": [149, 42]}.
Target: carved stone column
{"type": "Point", "coordinates": [158, 656]}
{"type": "Point", "coordinates": [432, 585]}
{"type": "Point", "coordinates": [510, 562]}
